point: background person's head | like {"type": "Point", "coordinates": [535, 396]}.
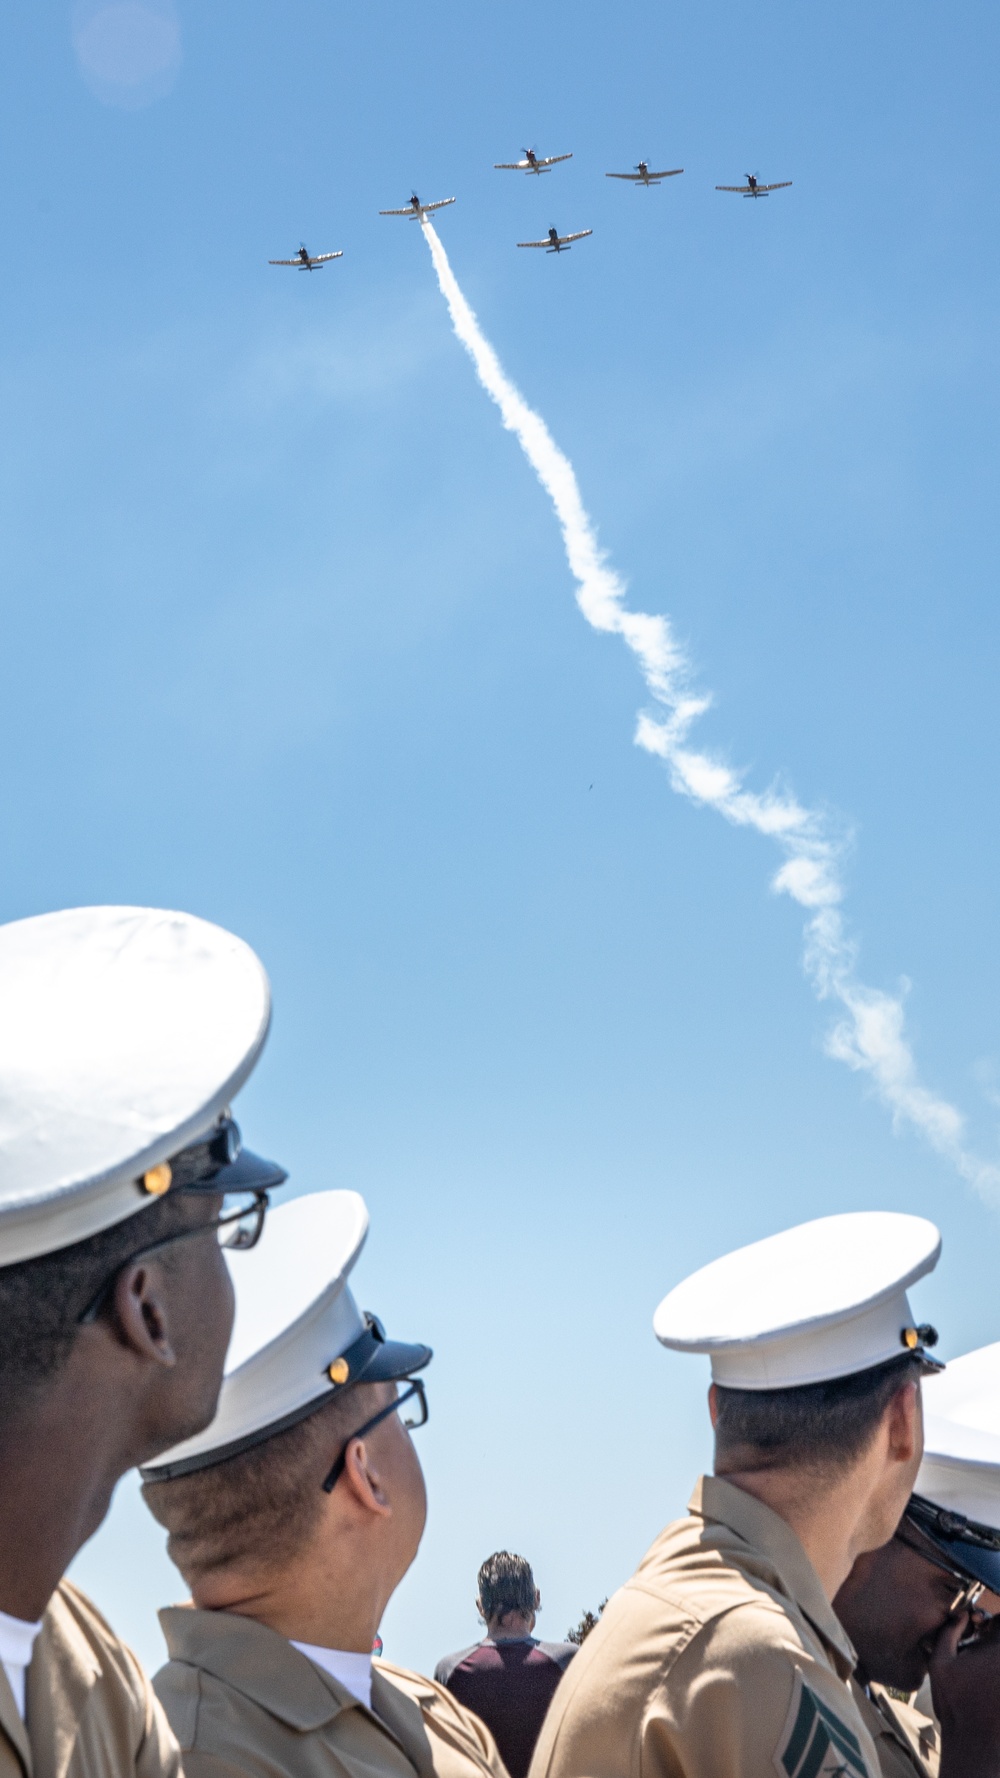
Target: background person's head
{"type": "Point", "coordinates": [508, 1598]}
{"type": "Point", "coordinates": [303, 1504]}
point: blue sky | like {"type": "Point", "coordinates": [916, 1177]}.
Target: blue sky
{"type": "Point", "coordinates": [289, 640]}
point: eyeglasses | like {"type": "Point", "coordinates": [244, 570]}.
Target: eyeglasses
{"type": "Point", "coordinates": [238, 1228]}
{"type": "Point", "coordinates": [969, 1590]}
{"type": "Point", "coordinates": [417, 1389]}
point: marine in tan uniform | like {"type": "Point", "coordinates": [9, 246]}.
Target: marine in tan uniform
{"type": "Point", "coordinates": [907, 1742]}
{"type": "Point", "coordinates": [123, 1034]}
{"type": "Point", "coordinates": [722, 1657]}
{"type": "Point", "coordinates": [293, 1519]}
{"type": "Point", "coordinates": [905, 1604]}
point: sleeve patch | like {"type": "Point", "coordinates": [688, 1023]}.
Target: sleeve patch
{"type": "Point", "coordinates": [815, 1743]}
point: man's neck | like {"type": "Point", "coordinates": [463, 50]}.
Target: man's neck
{"type": "Point", "coordinates": [829, 1521]}
{"type": "Point", "coordinates": [60, 1459]}
{"type": "Point", "coordinates": [328, 1599]}
{"type": "Point", "coordinates": [512, 1627]}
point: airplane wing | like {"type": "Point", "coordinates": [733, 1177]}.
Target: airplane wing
{"type": "Point", "coordinates": [510, 166]}
{"type": "Point", "coordinates": [580, 236]}
{"type": "Point", "coordinates": [439, 205]}
{"type": "Point", "coordinates": [552, 160]}
{"type": "Point", "coordinates": [670, 173]}
{"type": "Point", "coordinates": [781, 186]}
{"type": "Point", "coordinates": [545, 243]}
{"type": "Point", "coordinates": [321, 258]}
{"type": "Point", "coordinates": [743, 188]}
{"type": "Point", "coordinates": [409, 211]}
{"type": "Point", "coordinates": [626, 176]}
{"type": "Point", "coordinates": [284, 262]}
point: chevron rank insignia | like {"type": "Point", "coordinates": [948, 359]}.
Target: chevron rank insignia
{"type": "Point", "coordinates": [815, 1742]}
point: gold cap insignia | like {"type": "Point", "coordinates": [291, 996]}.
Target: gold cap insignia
{"type": "Point", "coordinates": [158, 1180]}
{"type": "Point", "coordinates": [338, 1371]}
{"type": "Point", "coordinates": [910, 1338]}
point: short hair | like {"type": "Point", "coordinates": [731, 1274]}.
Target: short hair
{"type": "Point", "coordinates": [822, 1426]}
{"type": "Point", "coordinates": [263, 1503]}
{"type": "Point", "coordinates": [506, 1584]}
{"type": "Point", "coordinates": [42, 1299]}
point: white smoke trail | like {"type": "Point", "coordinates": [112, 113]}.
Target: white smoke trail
{"type": "Point", "coordinates": [870, 1036]}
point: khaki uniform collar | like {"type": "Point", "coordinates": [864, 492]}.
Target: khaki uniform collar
{"type": "Point", "coordinates": [402, 1716]}
{"type": "Point", "coordinates": [264, 1667]}
{"type": "Point", "coordinates": [11, 1724]}
{"type": "Point", "coordinates": [257, 1662]}
{"type": "Point", "coordinates": [770, 1535]}
{"type": "Point", "coordinates": [61, 1675]}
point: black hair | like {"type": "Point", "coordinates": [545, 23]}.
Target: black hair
{"type": "Point", "coordinates": [818, 1425]}
{"type": "Point", "coordinates": [42, 1299]}
{"type": "Point", "coordinates": [506, 1584]}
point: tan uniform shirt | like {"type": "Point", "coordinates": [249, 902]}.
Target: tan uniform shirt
{"type": "Point", "coordinates": [90, 1710]}
{"type": "Point", "coordinates": [908, 1743]}
{"type": "Point", "coordinates": [242, 1700]}
{"type": "Point", "coordinates": [720, 1658]}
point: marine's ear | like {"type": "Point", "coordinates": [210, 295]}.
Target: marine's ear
{"type": "Point", "coordinates": [141, 1314]}
{"type": "Point", "coordinates": [713, 1405]}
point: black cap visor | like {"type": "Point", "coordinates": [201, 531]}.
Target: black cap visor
{"type": "Point", "coordinates": [248, 1173]}
{"type": "Point", "coordinates": [972, 1548]}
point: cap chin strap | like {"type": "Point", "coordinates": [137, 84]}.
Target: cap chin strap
{"type": "Point", "coordinates": [950, 1527]}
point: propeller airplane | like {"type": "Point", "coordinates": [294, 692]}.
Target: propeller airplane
{"type": "Point", "coordinates": [557, 243]}
{"type": "Point", "coordinates": [643, 176]}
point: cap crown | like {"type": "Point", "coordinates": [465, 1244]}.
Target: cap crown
{"type": "Point", "coordinates": [822, 1300]}
{"type": "Point", "coordinates": [123, 1033]}
{"type": "Point", "coordinates": [961, 1464]}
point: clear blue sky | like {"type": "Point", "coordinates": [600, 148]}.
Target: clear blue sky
{"type": "Point", "coordinates": [289, 640]}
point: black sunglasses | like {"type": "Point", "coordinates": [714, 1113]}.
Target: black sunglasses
{"type": "Point", "coordinates": [416, 1388]}
{"type": "Point", "coordinates": [246, 1222]}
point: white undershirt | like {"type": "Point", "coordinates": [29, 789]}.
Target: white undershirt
{"type": "Point", "coordinates": [17, 1639]}
{"type": "Point", "coordinates": [353, 1671]}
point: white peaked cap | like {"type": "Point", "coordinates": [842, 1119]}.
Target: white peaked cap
{"type": "Point", "coordinates": [295, 1322]}
{"type": "Point", "coordinates": [823, 1300]}
{"type": "Point", "coordinates": [124, 1033]}
{"type": "Point", "coordinates": [961, 1465]}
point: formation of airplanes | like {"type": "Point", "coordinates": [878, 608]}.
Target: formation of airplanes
{"type": "Point", "coordinates": [534, 163]}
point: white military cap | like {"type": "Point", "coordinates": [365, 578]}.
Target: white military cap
{"type": "Point", "coordinates": [298, 1337]}
{"type": "Point", "coordinates": [124, 1033]}
{"type": "Point", "coordinates": [956, 1499]}
{"type": "Point", "coordinates": [823, 1300]}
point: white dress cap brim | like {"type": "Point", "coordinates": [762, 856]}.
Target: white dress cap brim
{"type": "Point", "coordinates": [124, 1032]}
{"type": "Point", "coordinates": [961, 1464]}
{"type": "Point", "coordinates": [294, 1316]}
{"type": "Point", "coordinates": [823, 1300]}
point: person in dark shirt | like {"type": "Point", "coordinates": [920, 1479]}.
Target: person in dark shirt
{"type": "Point", "coordinates": [509, 1678]}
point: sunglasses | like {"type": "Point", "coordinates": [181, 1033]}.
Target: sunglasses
{"type": "Point", "coordinates": [417, 1390]}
